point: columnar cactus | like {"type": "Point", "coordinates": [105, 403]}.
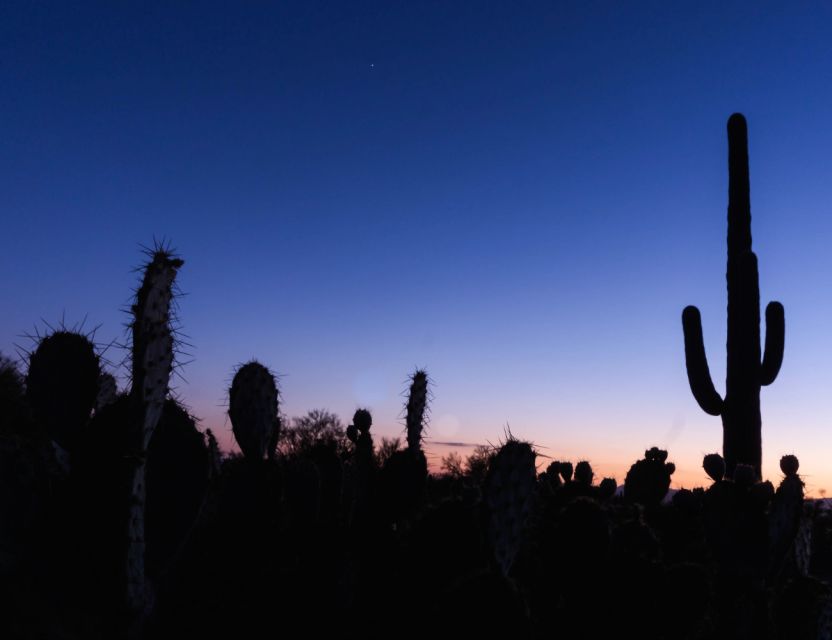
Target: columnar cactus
{"type": "Point", "coordinates": [252, 407]}
{"type": "Point", "coordinates": [153, 358]}
{"type": "Point", "coordinates": [509, 492]}
{"type": "Point", "coordinates": [416, 406]}
{"type": "Point", "coordinates": [62, 384]}
{"type": "Point", "coordinates": [740, 408]}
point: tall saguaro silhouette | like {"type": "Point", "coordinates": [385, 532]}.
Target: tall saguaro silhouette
{"type": "Point", "coordinates": [746, 372]}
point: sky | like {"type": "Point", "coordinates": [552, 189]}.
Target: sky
{"type": "Point", "coordinates": [520, 197]}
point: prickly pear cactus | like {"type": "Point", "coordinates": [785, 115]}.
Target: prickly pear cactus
{"type": "Point", "coordinates": [417, 402]}
{"type": "Point", "coordinates": [252, 407]}
{"type": "Point", "coordinates": [648, 480]}
{"type": "Point", "coordinates": [62, 384]}
{"type": "Point", "coordinates": [714, 466]}
{"type": "Point", "coordinates": [153, 358]}
{"type": "Point", "coordinates": [509, 494]}
{"type": "Point", "coordinates": [584, 474]}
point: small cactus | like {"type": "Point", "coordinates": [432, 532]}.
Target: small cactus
{"type": "Point", "coordinates": [714, 466]}
{"type": "Point", "coordinates": [648, 480]}
{"type": "Point", "coordinates": [416, 408]}
{"type": "Point", "coordinates": [359, 433]}
{"type": "Point", "coordinates": [252, 407]}
{"type": "Point", "coordinates": [584, 473]}
{"type": "Point", "coordinates": [566, 471]}
{"type": "Point", "coordinates": [508, 492]}
{"type": "Point", "coordinates": [62, 384]}
{"type": "Point", "coordinates": [789, 465]}
{"type": "Point", "coordinates": [607, 488]}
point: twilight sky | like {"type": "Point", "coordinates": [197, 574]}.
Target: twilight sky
{"type": "Point", "coordinates": [520, 197]}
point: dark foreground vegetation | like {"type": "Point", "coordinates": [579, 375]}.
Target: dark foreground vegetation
{"type": "Point", "coordinates": [120, 518]}
{"type": "Point", "coordinates": [322, 531]}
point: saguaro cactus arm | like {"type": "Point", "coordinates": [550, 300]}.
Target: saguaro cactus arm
{"type": "Point", "coordinates": [699, 376]}
{"type": "Point", "coordinates": [775, 340]}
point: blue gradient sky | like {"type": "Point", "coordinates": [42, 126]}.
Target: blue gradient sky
{"type": "Point", "coordinates": [520, 197]}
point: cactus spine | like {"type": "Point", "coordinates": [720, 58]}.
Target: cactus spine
{"type": "Point", "coordinates": [152, 352]}
{"type": "Point", "coordinates": [746, 373]}
{"type": "Point", "coordinates": [252, 407]}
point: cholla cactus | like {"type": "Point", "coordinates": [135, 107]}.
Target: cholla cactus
{"type": "Point", "coordinates": [509, 493]}
{"type": "Point", "coordinates": [62, 383]}
{"type": "Point", "coordinates": [152, 364]}
{"type": "Point", "coordinates": [417, 402]}
{"type": "Point", "coordinates": [252, 407]}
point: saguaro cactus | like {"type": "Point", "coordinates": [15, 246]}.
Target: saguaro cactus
{"type": "Point", "coordinates": [152, 352]}
{"type": "Point", "coordinates": [746, 373]}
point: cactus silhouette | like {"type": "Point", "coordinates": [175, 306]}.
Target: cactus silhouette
{"type": "Point", "coordinates": [746, 373]}
{"type": "Point", "coordinates": [509, 493]}
{"type": "Point", "coordinates": [416, 406]}
{"type": "Point", "coordinates": [252, 407]}
{"type": "Point", "coordinates": [153, 358]}
{"type": "Point", "coordinates": [62, 384]}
